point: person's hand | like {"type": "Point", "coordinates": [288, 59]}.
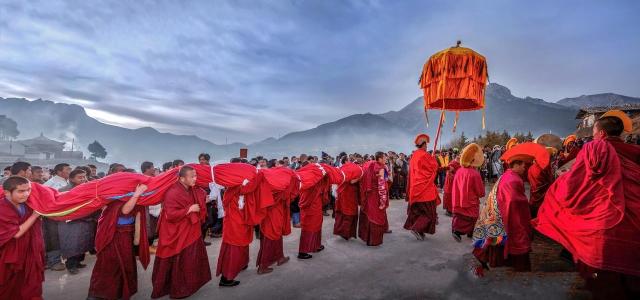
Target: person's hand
{"type": "Point", "coordinates": [140, 189]}
{"type": "Point", "coordinates": [194, 208]}
{"type": "Point", "coordinates": [35, 214]}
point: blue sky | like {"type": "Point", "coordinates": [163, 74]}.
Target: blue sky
{"type": "Point", "coordinates": [247, 70]}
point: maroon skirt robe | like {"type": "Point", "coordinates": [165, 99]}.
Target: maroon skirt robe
{"type": "Point", "coordinates": [232, 260]}
{"type": "Point", "coordinates": [181, 275]}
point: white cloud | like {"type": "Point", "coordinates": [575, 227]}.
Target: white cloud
{"type": "Point", "coordinates": [249, 69]}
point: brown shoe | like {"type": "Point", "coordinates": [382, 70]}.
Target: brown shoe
{"type": "Point", "coordinates": [296, 226]}
{"type": "Point", "coordinates": [58, 267]}
{"type": "Point", "coordinates": [283, 261]}
{"type": "Point", "coordinates": [265, 271]}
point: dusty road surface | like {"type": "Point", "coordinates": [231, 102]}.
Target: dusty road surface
{"type": "Point", "coordinates": [401, 268]}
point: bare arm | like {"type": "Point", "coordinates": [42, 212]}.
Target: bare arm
{"type": "Point", "coordinates": [131, 203]}
{"type": "Point", "coordinates": [27, 225]}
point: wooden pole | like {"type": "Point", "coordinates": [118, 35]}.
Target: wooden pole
{"type": "Point", "coordinates": [435, 143]}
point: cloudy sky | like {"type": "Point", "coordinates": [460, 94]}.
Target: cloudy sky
{"type": "Point", "coordinates": [247, 70]}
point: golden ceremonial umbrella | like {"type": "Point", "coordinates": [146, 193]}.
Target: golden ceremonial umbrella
{"type": "Point", "coordinates": [454, 79]}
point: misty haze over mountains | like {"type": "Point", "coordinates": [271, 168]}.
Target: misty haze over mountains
{"type": "Point", "coordinates": [364, 133]}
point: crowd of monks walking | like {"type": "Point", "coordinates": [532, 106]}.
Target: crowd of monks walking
{"type": "Point", "coordinates": [591, 208]}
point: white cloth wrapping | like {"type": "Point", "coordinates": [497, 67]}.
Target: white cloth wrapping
{"type": "Point", "coordinates": [214, 195]}
{"type": "Point", "coordinates": [56, 182]}
{"type": "Point", "coordinates": [155, 210]}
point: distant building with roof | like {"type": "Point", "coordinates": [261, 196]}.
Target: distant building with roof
{"type": "Point", "coordinates": [42, 151]}
{"type": "Point", "coordinates": [589, 115]}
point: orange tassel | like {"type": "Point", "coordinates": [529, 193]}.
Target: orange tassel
{"type": "Point", "coordinates": [455, 121]}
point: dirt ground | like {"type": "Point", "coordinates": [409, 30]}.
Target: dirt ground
{"type": "Point", "coordinates": [401, 268]}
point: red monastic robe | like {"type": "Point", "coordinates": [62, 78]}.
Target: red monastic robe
{"type": "Point", "coordinates": [516, 217]}
{"type": "Point", "coordinates": [277, 220]}
{"type": "Point", "coordinates": [593, 210]}
{"type": "Point", "coordinates": [467, 190]}
{"type": "Point", "coordinates": [346, 210]}
{"type": "Point", "coordinates": [422, 193]}
{"type": "Point", "coordinates": [423, 169]}
{"type": "Point", "coordinates": [373, 221]}
{"type": "Point", "coordinates": [115, 274]}
{"type": "Point", "coordinates": [181, 266]}
{"type": "Point", "coordinates": [514, 209]}
{"type": "Point", "coordinates": [346, 222]}
{"type": "Point", "coordinates": [244, 207]}
{"type": "Point", "coordinates": [567, 157]}
{"type": "Point", "coordinates": [311, 201]}
{"type": "Point", "coordinates": [540, 180]}
{"type": "Point", "coordinates": [447, 203]}
{"type": "Point", "coordinates": [21, 259]}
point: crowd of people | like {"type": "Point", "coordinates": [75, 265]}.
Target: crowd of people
{"type": "Point", "coordinates": [175, 230]}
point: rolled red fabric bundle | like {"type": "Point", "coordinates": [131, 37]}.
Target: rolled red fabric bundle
{"type": "Point", "coordinates": [335, 175]}
{"type": "Point", "coordinates": [279, 178]}
{"type": "Point", "coordinates": [351, 171]}
{"type": "Point", "coordinates": [310, 175]}
{"type": "Point", "coordinates": [91, 196]}
{"type": "Point", "coordinates": [233, 174]}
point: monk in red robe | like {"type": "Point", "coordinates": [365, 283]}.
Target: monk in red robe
{"type": "Point", "coordinates": [311, 201]}
{"type": "Point", "coordinates": [467, 190]}
{"type": "Point", "coordinates": [181, 266]}
{"type": "Point", "coordinates": [570, 152]}
{"type": "Point", "coordinates": [346, 222]}
{"type": "Point", "coordinates": [277, 220]}
{"type": "Point", "coordinates": [115, 274]}
{"type": "Point", "coordinates": [515, 223]}
{"type": "Point", "coordinates": [593, 210]}
{"type": "Point", "coordinates": [539, 180]}
{"type": "Point", "coordinates": [447, 202]}
{"type": "Point", "coordinates": [21, 243]}
{"type": "Point", "coordinates": [422, 192]}
{"type": "Point", "coordinates": [245, 206]}
{"type": "Point", "coordinates": [375, 201]}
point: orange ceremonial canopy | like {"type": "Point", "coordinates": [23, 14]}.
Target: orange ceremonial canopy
{"type": "Point", "coordinates": [454, 79]}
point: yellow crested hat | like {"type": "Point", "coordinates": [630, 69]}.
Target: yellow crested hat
{"type": "Point", "coordinates": [569, 139]}
{"type": "Point", "coordinates": [421, 138]}
{"type": "Point", "coordinates": [626, 121]}
{"type": "Point", "coordinates": [472, 156]}
{"type": "Point", "coordinates": [512, 142]}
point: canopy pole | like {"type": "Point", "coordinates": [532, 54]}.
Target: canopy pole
{"type": "Point", "coordinates": [426, 117]}
{"type": "Point", "coordinates": [435, 143]}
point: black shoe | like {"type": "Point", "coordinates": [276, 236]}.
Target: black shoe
{"type": "Point", "coordinates": [81, 265]}
{"type": "Point", "coordinates": [304, 255]}
{"type": "Point", "coordinates": [419, 236]}
{"type": "Point", "coordinates": [73, 271]}
{"type": "Point", "coordinates": [456, 236]}
{"type": "Point", "coordinates": [228, 283]}
{"type": "Point", "coordinates": [93, 252]}
{"type": "Point", "coordinates": [320, 249]}
{"type": "Point", "coordinates": [245, 267]}
{"type": "Point", "coordinates": [207, 244]}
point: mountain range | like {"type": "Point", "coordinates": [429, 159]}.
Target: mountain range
{"type": "Point", "coordinates": [365, 133]}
